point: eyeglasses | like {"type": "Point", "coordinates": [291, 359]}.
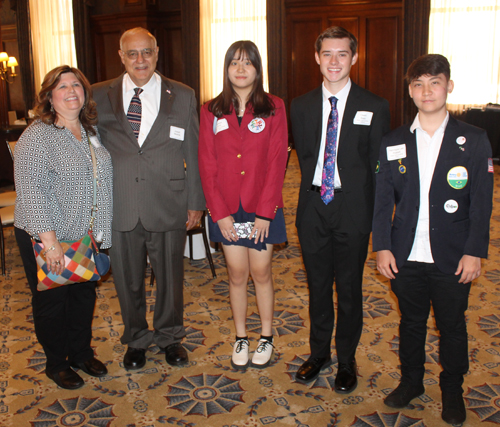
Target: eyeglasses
{"type": "Point", "coordinates": [134, 54]}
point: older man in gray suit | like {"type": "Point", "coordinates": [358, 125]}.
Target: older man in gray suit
{"type": "Point", "coordinates": [149, 124]}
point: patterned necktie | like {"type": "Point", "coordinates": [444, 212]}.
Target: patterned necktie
{"type": "Point", "coordinates": [134, 112]}
{"type": "Point", "coordinates": [327, 182]}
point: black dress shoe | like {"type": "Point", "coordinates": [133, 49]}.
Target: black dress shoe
{"type": "Point", "coordinates": [347, 377]}
{"type": "Point", "coordinates": [175, 354]}
{"type": "Point", "coordinates": [67, 379]}
{"type": "Point", "coordinates": [135, 358]}
{"type": "Point", "coordinates": [93, 367]}
{"type": "Point", "coordinates": [311, 368]}
{"type": "Point", "coordinates": [453, 408]}
{"type": "Point", "coordinates": [403, 394]}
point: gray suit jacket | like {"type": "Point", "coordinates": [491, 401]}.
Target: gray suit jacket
{"type": "Point", "coordinates": [158, 182]}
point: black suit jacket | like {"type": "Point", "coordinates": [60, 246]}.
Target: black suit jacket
{"type": "Point", "coordinates": [452, 234]}
{"type": "Point", "coordinates": [358, 148]}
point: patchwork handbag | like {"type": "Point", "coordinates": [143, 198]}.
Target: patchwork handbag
{"type": "Point", "coordinates": [79, 264]}
{"type": "Point", "coordinates": [83, 262]}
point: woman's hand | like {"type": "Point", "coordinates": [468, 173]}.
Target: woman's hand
{"type": "Point", "coordinates": [260, 230]}
{"type": "Point", "coordinates": [53, 257]}
{"type": "Point", "coordinates": [227, 229]}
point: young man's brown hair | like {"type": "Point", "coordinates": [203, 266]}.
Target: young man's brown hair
{"type": "Point", "coordinates": [337, 33]}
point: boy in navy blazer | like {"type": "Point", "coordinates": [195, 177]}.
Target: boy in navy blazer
{"type": "Point", "coordinates": [438, 172]}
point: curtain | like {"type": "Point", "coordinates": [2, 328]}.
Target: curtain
{"type": "Point", "coordinates": [52, 35]}
{"type": "Point", "coordinates": [468, 34]}
{"type": "Point", "coordinates": [222, 23]}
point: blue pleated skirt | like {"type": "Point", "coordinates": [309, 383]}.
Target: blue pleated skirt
{"type": "Point", "coordinates": [277, 230]}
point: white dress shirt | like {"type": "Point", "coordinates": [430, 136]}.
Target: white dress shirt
{"type": "Point", "coordinates": [327, 108]}
{"type": "Point", "coordinates": [428, 151]}
{"type": "Point", "coordinates": [150, 101]}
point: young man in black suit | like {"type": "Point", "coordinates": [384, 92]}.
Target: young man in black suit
{"type": "Point", "coordinates": [439, 174]}
{"type": "Point", "coordinates": [336, 200]}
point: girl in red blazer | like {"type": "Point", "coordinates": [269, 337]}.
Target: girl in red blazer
{"type": "Point", "coordinates": [242, 157]}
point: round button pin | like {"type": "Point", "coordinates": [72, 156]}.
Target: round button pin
{"type": "Point", "coordinates": [450, 206]}
{"type": "Point", "coordinates": [257, 125]}
{"type": "Point", "coordinates": [461, 140]}
{"type": "Point", "coordinates": [457, 177]}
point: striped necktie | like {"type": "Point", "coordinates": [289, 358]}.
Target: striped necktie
{"type": "Point", "coordinates": [134, 112]}
{"type": "Point", "coordinates": [328, 178]}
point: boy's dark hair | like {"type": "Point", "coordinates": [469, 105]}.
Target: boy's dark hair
{"type": "Point", "coordinates": [337, 33]}
{"type": "Point", "coordinates": [431, 64]}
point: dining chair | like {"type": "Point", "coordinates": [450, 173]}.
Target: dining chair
{"type": "Point", "coordinates": [200, 229]}
{"type": "Point", "coordinates": [6, 219]}
{"type": "Point", "coordinates": [8, 198]}
{"type": "Point", "coordinates": [11, 145]}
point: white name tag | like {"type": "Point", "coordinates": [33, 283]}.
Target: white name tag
{"type": "Point", "coordinates": [396, 152]}
{"type": "Point", "coordinates": [221, 125]}
{"type": "Point", "coordinates": [177, 133]}
{"type": "Point", "coordinates": [94, 141]}
{"type": "Point", "coordinates": [363, 118]}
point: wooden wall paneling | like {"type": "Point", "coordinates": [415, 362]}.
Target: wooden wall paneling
{"type": "Point", "coordinates": [378, 27]}
{"type": "Point", "coordinates": [276, 48]}
{"type": "Point", "coordinates": [190, 13]}
{"type": "Point", "coordinates": [303, 71]}
{"type": "Point", "coordinates": [416, 40]}
{"type": "Point", "coordinates": [166, 27]}
{"type": "Point", "coordinates": [383, 74]}
{"type": "Point", "coordinates": [15, 90]}
{"type": "Point", "coordinates": [172, 46]}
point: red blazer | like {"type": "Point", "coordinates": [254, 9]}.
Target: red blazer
{"type": "Point", "coordinates": [238, 164]}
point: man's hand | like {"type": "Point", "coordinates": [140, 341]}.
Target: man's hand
{"type": "Point", "coordinates": [470, 267]}
{"type": "Point", "coordinates": [193, 219]}
{"type": "Point", "coordinates": [386, 264]}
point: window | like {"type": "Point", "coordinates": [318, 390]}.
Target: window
{"type": "Point", "coordinates": [222, 23]}
{"type": "Point", "coordinates": [468, 34]}
{"type": "Point", "coordinates": [53, 36]}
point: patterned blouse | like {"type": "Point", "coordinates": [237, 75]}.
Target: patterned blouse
{"type": "Point", "coordinates": [54, 182]}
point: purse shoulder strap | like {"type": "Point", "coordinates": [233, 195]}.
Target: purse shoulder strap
{"type": "Point", "coordinates": [94, 202]}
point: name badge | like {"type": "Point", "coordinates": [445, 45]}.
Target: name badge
{"type": "Point", "coordinates": [221, 125]}
{"type": "Point", "coordinates": [95, 141]}
{"type": "Point", "coordinates": [396, 152]}
{"type": "Point", "coordinates": [177, 133]}
{"type": "Point", "coordinates": [363, 118]}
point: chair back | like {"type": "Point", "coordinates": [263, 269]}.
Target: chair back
{"type": "Point", "coordinates": [11, 146]}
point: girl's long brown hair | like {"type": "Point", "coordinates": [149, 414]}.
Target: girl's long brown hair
{"type": "Point", "coordinates": [227, 100]}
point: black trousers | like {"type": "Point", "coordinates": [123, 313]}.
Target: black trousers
{"type": "Point", "coordinates": [417, 286]}
{"type": "Point", "coordinates": [333, 249]}
{"type": "Point", "coordinates": [62, 316]}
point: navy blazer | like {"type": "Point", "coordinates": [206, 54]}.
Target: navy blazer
{"type": "Point", "coordinates": [452, 233]}
{"type": "Point", "coordinates": [358, 148]}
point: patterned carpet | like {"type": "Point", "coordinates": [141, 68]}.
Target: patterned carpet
{"type": "Point", "coordinates": [209, 392]}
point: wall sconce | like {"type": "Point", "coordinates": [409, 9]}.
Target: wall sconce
{"type": "Point", "coordinates": [7, 61]}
